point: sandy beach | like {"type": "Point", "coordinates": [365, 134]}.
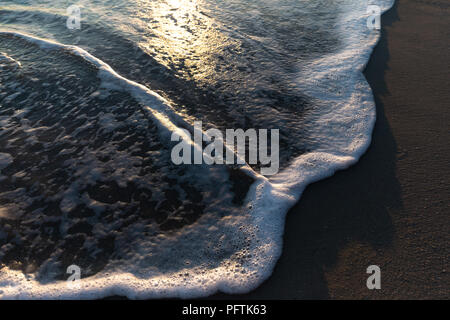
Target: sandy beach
{"type": "Point", "coordinates": [392, 208]}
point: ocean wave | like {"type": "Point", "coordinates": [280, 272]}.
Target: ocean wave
{"type": "Point", "coordinates": [229, 248]}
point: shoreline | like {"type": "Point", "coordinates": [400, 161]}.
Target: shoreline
{"type": "Point", "coordinates": [390, 209]}
{"type": "Point", "coordinates": [382, 211]}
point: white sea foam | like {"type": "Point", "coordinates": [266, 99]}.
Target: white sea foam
{"type": "Point", "coordinates": [6, 60]}
{"type": "Point", "coordinates": [342, 127]}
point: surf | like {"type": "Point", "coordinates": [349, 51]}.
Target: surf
{"type": "Point", "coordinates": [341, 124]}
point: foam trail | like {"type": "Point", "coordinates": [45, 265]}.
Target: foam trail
{"type": "Point", "coordinates": [159, 108]}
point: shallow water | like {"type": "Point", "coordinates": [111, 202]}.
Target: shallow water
{"type": "Point", "coordinates": [85, 169]}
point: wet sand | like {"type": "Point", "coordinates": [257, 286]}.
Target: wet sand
{"type": "Point", "coordinates": [392, 209]}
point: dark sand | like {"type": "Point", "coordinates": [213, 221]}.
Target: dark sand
{"type": "Point", "coordinates": [392, 208]}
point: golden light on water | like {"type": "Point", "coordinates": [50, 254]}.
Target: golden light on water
{"type": "Point", "coordinates": [184, 36]}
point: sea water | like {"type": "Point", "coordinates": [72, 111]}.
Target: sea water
{"type": "Point", "coordinates": [86, 117]}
